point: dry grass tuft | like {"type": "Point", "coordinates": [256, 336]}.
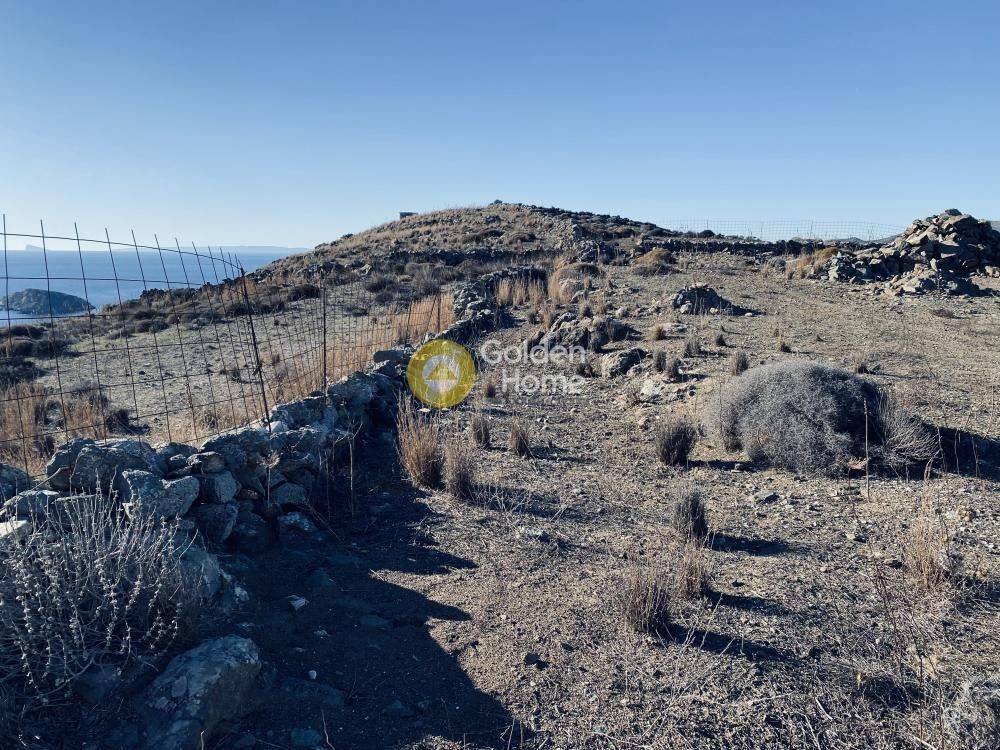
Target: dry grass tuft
{"type": "Point", "coordinates": [932, 563]}
{"type": "Point", "coordinates": [656, 333]}
{"type": "Point", "coordinates": [517, 441]}
{"type": "Point", "coordinates": [692, 345]}
{"type": "Point", "coordinates": [459, 470]}
{"type": "Point", "coordinates": [688, 515]}
{"type": "Point", "coordinates": [690, 571]}
{"type": "Point", "coordinates": [674, 439]}
{"type": "Point", "coordinates": [479, 429]}
{"type": "Point", "coordinates": [644, 602]}
{"type": "Point", "coordinates": [783, 346]}
{"type": "Point", "coordinates": [490, 386]}
{"type": "Point", "coordinates": [419, 439]}
{"type": "Point", "coordinates": [720, 340]}
{"type": "Point", "coordinates": [739, 363]}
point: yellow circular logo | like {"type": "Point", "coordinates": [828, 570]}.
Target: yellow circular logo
{"type": "Point", "coordinates": [441, 373]}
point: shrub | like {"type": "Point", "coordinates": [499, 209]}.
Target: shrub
{"type": "Point", "coordinates": [688, 515]}
{"type": "Point", "coordinates": [692, 346]}
{"type": "Point", "coordinates": [419, 445]}
{"type": "Point", "coordinates": [645, 602]}
{"type": "Point", "coordinates": [90, 587]}
{"type": "Point", "coordinates": [490, 386]}
{"type": "Point", "coordinates": [459, 473]}
{"type": "Point", "coordinates": [672, 369]}
{"type": "Point", "coordinates": [810, 418]}
{"type": "Point", "coordinates": [783, 346]}
{"type": "Point", "coordinates": [901, 438]}
{"type": "Point", "coordinates": [656, 333]}
{"type": "Point", "coordinates": [739, 363]}
{"type": "Point", "coordinates": [517, 441]}
{"type": "Point", "coordinates": [931, 561]}
{"type": "Point", "coordinates": [720, 340]}
{"type": "Point", "coordinates": [479, 429]}
{"type": "Point", "coordinates": [690, 571]}
{"type": "Point", "coordinates": [674, 440]}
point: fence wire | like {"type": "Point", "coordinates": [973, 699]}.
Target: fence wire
{"type": "Point", "coordinates": [104, 338]}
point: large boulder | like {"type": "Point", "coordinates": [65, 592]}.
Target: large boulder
{"type": "Point", "coordinates": [29, 504]}
{"type": "Point", "coordinates": [216, 520]}
{"type": "Point", "coordinates": [219, 488]}
{"type": "Point", "coordinates": [618, 363]}
{"type": "Point", "coordinates": [210, 684]}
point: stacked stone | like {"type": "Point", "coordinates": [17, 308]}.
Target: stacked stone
{"type": "Point", "coordinates": [938, 253]}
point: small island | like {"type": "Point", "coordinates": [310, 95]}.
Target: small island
{"type": "Point", "coordinates": [42, 302]}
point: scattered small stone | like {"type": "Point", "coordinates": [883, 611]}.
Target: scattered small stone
{"type": "Point", "coordinates": [296, 602]}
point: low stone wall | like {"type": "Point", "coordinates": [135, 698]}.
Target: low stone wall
{"type": "Point", "coordinates": [238, 491]}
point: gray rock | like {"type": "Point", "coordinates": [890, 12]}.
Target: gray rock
{"type": "Point", "coordinates": [30, 504]}
{"type": "Point", "coordinates": [295, 523]}
{"type": "Point", "coordinates": [198, 690]}
{"type": "Point", "coordinates": [60, 466]}
{"type": "Point", "coordinates": [219, 488]}
{"type": "Point", "coordinates": [16, 529]}
{"type": "Point", "coordinates": [216, 520]}
{"type": "Point", "coordinates": [618, 363]}
{"type": "Point", "coordinates": [98, 465]}
{"type": "Point", "coordinates": [202, 568]}
{"type": "Point", "coordinates": [208, 462]}
{"type": "Point", "coordinates": [289, 494]}
{"type": "Point", "coordinates": [251, 534]}
{"type": "Point", "coordinates": [12, 481]}
{"type": "Point", "coordinates": [145, 493]}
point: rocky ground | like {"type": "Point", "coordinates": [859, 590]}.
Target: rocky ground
{"type": "Point", "coordinates": [438, 623]}
{"type": "Point", "coordinates": [406, 618]}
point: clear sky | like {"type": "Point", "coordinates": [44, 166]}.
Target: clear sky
{"type": "Point", "coordinates": [292, 123]}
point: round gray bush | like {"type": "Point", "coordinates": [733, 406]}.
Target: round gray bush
{"type": "Point", "coordinates": [811, 418]}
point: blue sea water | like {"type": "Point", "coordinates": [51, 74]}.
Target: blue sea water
{"type": "Point", "coordinates": [107, 277]}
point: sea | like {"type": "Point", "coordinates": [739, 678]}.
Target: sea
{"type": "Point", "coordinates": [106, 277]}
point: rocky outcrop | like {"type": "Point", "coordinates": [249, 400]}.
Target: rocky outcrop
{"type": "Point", "coordinates": [936, 254]}
{"type": "Point", "coordinates": [701, 299]}
{"type": "Point", "coordinates": [43, 302]}
{"type": "Point", "coordinates": [198, 690]}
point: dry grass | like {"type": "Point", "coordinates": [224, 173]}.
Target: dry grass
{"type": "Point", "coordinates": [490, 386]}
{"type": "Point", "coordinates": [932, 562]}
{"type": "Point", "coordinates": [739, 363]}
{"type": "Point", "coordinates": [644, 602]}
{"type": "Point", "coordinates": [688, 516]}
{"type": "Point", "coordinates": [33, 419]}
{"type": "Point", "coordinates": [692, 345]}
{"type": "Point", "coordinates": [674, 440]}
{"type": "Point", "coordinates": [517, 440]}
{"type": "Point", "coordinates": [521, 292]}
{"type": "Point", "coordinates": [479, 429]}
{"type": "Point", "coordinates": [459, 469]}
{"type": "Point", "coordinates": [656, 333]}
{"type": "Point", "coordinates": [808, 265]}
{"type": "Point", "coordinates": [419, 439]}
{"type": "Point", "coordinates": [783, 346]}
{"type": "Point", "coordinates": [689, 564]}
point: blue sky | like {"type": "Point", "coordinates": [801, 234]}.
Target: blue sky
{"type": "Point", "coordinates": [292, 123]}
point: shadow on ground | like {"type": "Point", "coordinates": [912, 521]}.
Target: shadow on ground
{"type": "Point", "coordinates": [387, 670]}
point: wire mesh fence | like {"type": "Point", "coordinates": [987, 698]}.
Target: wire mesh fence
{"type": "Point", "coordinates": [787, 229]}
{"type": "Point", "coordinates": [109, 337]}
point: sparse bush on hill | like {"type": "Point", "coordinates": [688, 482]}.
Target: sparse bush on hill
{"type": "Point", "coordinates": [689, 564]}
{"type": "Point", "coordinates": [692, 345]}
{"type": "Point", "coordinates": [479, 429]}
{"type": "Point", "coordinates": [674, 439]}
{"type": "Point", "coordinates": [813, 418]}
